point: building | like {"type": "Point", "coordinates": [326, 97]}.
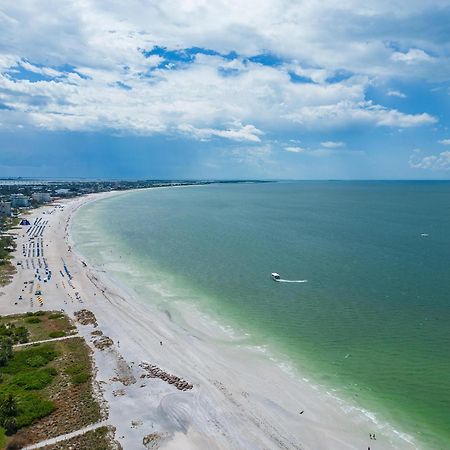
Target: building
{"type": "Point", "coordinates": [41, 197]}
{"type": "Point", "coordinates": [5, 209]}
{"type": "Point", "coordinates": [19, 200]}
{"type": "Point", "coordinates": [63, 192]}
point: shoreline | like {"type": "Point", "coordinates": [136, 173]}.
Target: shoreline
{"type": "Point", "coordinates": [240, 399]}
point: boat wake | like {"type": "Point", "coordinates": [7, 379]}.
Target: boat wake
{"type": "Point", "coordinates": [292, 281]}
{"type": "Point", "coordinates": [276, 277]}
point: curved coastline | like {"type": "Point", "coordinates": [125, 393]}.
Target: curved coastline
{"type": "Point", "coordinates": [195, 324]}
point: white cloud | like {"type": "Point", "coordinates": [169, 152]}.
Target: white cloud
{"type": "Point", "coordinates": [323, 151]}
{"type": "Point", "coordinates": [345, 112]}
{"type": "Point", "coordinates": [332, 144]}
{"type": "Point", "coordinates": [115, 87]}
{"type": "Point", "coordinates": [412, 56]}
{"type": "Point", "coordinates": [440, 161]}
{"type": "Point", "coordinates": [444, 142]}
{"type": "Point", "coordinates": [295, 149]}
{"type": "Point", "coordinates": [239, 133]}
{"type": "Point", "coordinates": [393, 93]}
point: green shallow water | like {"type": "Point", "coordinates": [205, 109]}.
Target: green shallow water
{"type": "Point", "coordinates": [373, 320]}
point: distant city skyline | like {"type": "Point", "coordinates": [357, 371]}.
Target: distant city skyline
{"type": "Point", "coordinates": [225, 90]}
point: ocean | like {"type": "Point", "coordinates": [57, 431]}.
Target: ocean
{"type": "Point", "coordinates": [371, 324]}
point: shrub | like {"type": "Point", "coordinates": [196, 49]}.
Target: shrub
{"type": "Point", "coordinates": [55, 316]}
{"type": "Point", "coordinates": [17, 334]}
{"type": "Point", "coordinates": [32, 406]}
{"type": "Point", "coordinates": [32, 319]}
{"type": "Point", "coordinates": [36, 361]}
{"type": "Point", "coordinates": [21, 335]}
{"type": "Point", "coordinates": [78, 373]}
{"type": "Point", "coordinates": [8, 413]}
{"type": "Point", "coordinates": [26, 358]}
{"type": "Point", "coordinates": [80, 378]}
{"type": "Point", "coordinates": [10, 425]}
{"type": "Point", "coordinates": [34, 380]}
{"type": "Point", "coordinates": [57, 334]}
{"type": "Point", "coordinates": [76, 368]}
{"type": "Point", "coordinates": [5, 350]}
{"type": "Point", "coordinates": [52, 371]}
{"type": "Point", "coordinates": [39, 313]}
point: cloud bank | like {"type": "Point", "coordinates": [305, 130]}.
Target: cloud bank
{"type": "Point", "coordinates": [212, 70]}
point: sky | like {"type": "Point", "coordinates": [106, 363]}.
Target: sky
{"type": "Point", "coordinates": [221, 89]}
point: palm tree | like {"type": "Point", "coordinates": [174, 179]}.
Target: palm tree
{"type": "Point", "coordinates": [8, 407]}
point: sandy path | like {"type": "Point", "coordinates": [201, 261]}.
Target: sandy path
{"type": "Point", "coordinates": [26, 344]}
{"type": "Point", "coordinates": [65, 437]}
{"type": "Point", "coordinates": [239, 399]}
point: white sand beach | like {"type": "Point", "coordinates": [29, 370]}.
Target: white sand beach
{"type": "Point", "coordinates": [234, 397]}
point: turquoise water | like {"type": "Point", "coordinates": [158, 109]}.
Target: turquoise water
{"type": "Point", "coordinates": [373, 320]}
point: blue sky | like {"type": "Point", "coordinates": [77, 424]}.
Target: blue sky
{"type": "Point", "coordinates": [225, 89]}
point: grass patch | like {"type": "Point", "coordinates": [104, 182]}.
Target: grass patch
{"type": "Point", "coordinates": [2, 437]}
{"type": "Point", "coordinates": [49, 383]}
{"type": "Point", "coordinates": [24, 377]}
{"type": "Point", "coordinates": [7, 246]}
{"type": "Point", "coordinates": [54, 316]}
{"type": "Point", "coordinates": [35, 379]}
{"type": "Point", "coordinates": [38, 330]}
{"type": "Point", "coordinates": [32, 320]}
{"type": "Point", "coordinates": [81, 378]}
{"type": "Point", "coordinates": [17, 334]}
{"type": "Point", "coordinates": [78, 373]}
{"type": "Point", "coordinates": [56, 334]}
{"type": "Point", "coordinates": [32, 407]}
{"type": "Point", "coordinates": [70, 390]}
{"type": "Point", "coordinates": [31, 357]}
{"type": "Point", "coordinates": [7, 271]}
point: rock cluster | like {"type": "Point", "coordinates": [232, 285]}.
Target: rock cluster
{"type": "Point", "coordinates": [86, 317]}
{"type": "Point", "coordinates": [155, 372]}
{"type": "Point", "coordinates": [103, 342]}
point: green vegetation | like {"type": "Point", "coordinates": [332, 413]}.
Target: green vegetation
{"type": "Point", "coordinates": [18, 334]}
{"type": "Point", "coordinates": [7, 245]}
{"type": "Point", "coordinates": [5, 349]}
{"type": "Point", "coordinates": [40, 324]}
{"type": "Point", "coordinates": [32, 320]}
{"type": "Point", "coordinates": [55, 316]}
{"type": "Point", "coordinates": [79, 373]}
{"type": "Point", "coordinates": [56, 334]}
{"type": "Point", "coordinates": [8, 413]}
{"type": "Point", "coordinates": [2, 437]}
{"type": "Point", "coordinates": [23, 376]}
{"type": "Point", "coordinates": [45, 389]}
{"type": "Point", "coordinates": [35, 380]}
{"type": "Point", "coordinates": [34, 356]}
